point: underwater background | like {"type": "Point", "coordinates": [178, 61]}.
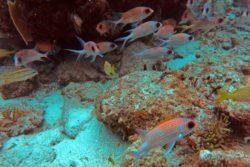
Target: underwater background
{"type": "Point", "coordinates": [124, 83]}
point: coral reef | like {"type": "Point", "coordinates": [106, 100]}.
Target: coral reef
{"type": "Point", "coordinates": [82, 71]}
{"type": "Point", "coordinates": [18, 120]}
{"type": "Point", "coordinates": [155, 157]}
{"type": "Point", "coordinates": [223, 158]}
{"type": "Point", "coordinates": [144, 99]}
{"type": "Point", "coordinates": [239, 114]}
{"type": "Point", "coordinates": [45, 19]}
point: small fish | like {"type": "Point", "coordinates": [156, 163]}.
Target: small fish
{"type": "Point", "coordinates": [207, 10]}
{"type": "Point", "coordinates": [105, 27]}
{"type": "Point", "coordinates": [142, 30]}
{"type": "Point", "coordinates": [134, 15]}
{"type": "Point", "coordinates": [106, 47]}
{"type": "Point", "coordinates": [16, 75]}
{"type": "Point", "coordinates": [154, 53]}
{"type": "Point", "coordinates": [110, 70]}
{"type": "Point", "coordinates": [26, 56]}
{"type": "Point", "coordinates": [177, 40]}
{"type": "Point", "coordinates": [164, 32]}
{"type": "Point", "coordinates": [90, 49]}
{"type": "Point", "coordinates": [77, 22]}
{"type": "Point", "coordinates": [111, 161]}
{"type": "Point", "coordinates": [5, 53]}
{"type": "Point", "coordinates": [168, 132]}
{"type": "Point", "coordinates": [240, 95]}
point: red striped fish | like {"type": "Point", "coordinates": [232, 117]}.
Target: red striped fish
{"type": "Point", "coordinates": [166, 133]}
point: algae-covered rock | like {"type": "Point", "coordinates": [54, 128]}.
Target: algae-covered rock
{"type": "Point", "coordinates": [143, 100]}
{"type": "Point", "coordinates": [239, 114]}
{"type": "Point", "coordinates": [155, 157]}
{"type": "Point", "coordinates": [18, 120]}
{"type": "Point", "coordinates": [81, 71]}
{"type": "Point", "coordinates": [18, 89]}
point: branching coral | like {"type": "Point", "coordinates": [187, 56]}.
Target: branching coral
{"type": "Point", "coordinates": [215, 134]}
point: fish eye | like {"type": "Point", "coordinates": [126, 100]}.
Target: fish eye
{"type": "Point", "coordinates": [93, 48]}
{"type": "Point", "coordinates": [220, 20]}
{"type": "Point", "coordinates": [19, 59]}
{"type": "Point", "coordinates": [207, 10]}
{"type": "Point", "coordinates": [190, 38]}
{"type": "Point", "coordinates": [100, 26]}
{"type": "Point", "coordinates": [170, 52]}
{"type": "Point", "coordinates": [147, 11]}
{"type": "Point", "coordinates": [158, 25]}
{"type": "Point", "coordinates": [190, 125]}
{"type": "Point", "coordinates": [112, 45]}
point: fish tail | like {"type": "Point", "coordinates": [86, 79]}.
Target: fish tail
{"type": "Point", "coordinates": [81, 41]}
{"type": "Point", "coordinates": [124, 39]}
{"type": "Point", "coordinates": [164, 42]}
{"type": "Point", "coordinates": [75, 51]}
{"type": "Point", "coordinates": [222, 95]}
{"type": "Point", "coordinates": [116, 22]}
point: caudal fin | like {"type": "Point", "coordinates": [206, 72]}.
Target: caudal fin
{"type": "Point", "coordinates": [124, 39]}
{"type": "Point", "coordinates": [222, 95]}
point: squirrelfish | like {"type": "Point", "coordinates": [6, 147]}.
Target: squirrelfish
{"type": "Point", "coordinates": [154, 53]}
{"type": "Point", "coordinates": [164, 32]}
{"type": "Point", "coordinates": [106, 47]}
{"type": "Point", "coordinates": [90, 49]}
{"type": "Point", "coordinates": [105, 27]}
{"type": "Point", "coordinates": [142, 30]}
{"type": "Point", "coordinates": [240, 95]}
{"type": "Point", "coordinates": [26, 56]}
{"type": "Point", "coordinates": [177, 40]}
{"type": "Point", "coordinates": [134, 15]}
{"type": "Point", "coordinates": [77, 22]}
{"type": "Point", "coordinates": [166, 133]}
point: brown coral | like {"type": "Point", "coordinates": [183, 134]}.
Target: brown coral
{"type": "Point", "coordinates": [215, 133]}
{"type": "Point", "coordinates": [19, 120]}
{"type": "Point", "coordinates": [139, 100]}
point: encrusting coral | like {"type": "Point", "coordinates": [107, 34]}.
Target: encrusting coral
{"type": "Point", "coordinates": [19, 120]}
{"type": "Point", "coordinates": [145, 99]}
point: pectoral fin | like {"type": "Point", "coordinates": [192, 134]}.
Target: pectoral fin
{"type": "Point", "coordinates": [170, 148]}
